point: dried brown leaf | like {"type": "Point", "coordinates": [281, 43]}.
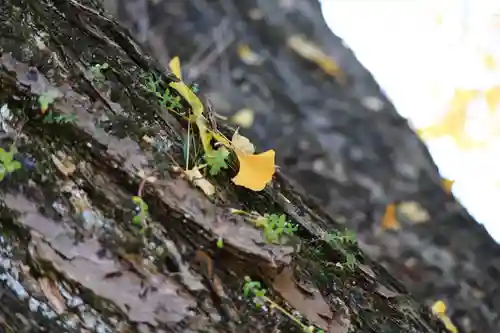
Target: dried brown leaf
{"type": "Point", "coordinates": [386, 292]}
{"type": "Point", "coordinates": [311, 306]}
{"type": "Point", "coordinates": [205, 261]}
{"type": "Point", "coordinates": [53, 295]}
{"type": "Point", "coordinates": [66, 166]}
{"type": "Point", "coordinates": [367, 270]}
{"type": "Point", "coordinates": [194, 175]}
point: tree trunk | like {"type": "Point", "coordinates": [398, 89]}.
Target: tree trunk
{"type": "Point", "coordinates": [335, 133]}
{"type": "Point", "coordinates": [73, 261]}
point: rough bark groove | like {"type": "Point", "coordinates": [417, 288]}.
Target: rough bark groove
{"type": "Point", "coordinates": [71, 259]}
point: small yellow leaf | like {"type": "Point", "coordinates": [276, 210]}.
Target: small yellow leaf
{"type": "Point", "coordinates": [189, 96]}
{"type": "Point", "coordinates": [248, 56]}
{"type": "Point", "coordinates": [242, 144]}
{"type": "Point", "coordinates": [439, 309]}
{"type": "Point", "coordinates": [222, 139]}
{"type": "Point", "coordinates": [389, 220]}
{"type": "Point", "coordinates": [255, 170]}
{"type": "Point", "coordinates": [449, 324]}
{"type": "Point", "coordinates": [447, 185]}
{"type": "Point", "coordinates": [312, 52]}
{"type": "Point", "coordinates": [194, 175]}
{"type": "Point", "coordinates": [243, 118]}
{"type": "Point", "coordinates": [205, 134]}
{"type": "Point", "coordinates": [197, 109]}
{"type": "Point", "coordinates": [413, 211]}
{"type": "Point", "coordinates": [175, 67]}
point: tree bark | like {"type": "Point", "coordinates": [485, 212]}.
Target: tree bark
{"type": "Point", "coordinates": [72, 260]}
{"type": "Point", "coordinates": [336, 135]}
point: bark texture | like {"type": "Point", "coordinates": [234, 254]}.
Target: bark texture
{"type": "Point", "coordinates": [72, 261]}
{"type": "Point", "coordinates": [337, 135]}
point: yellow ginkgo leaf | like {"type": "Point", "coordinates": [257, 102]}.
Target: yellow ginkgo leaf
{"type": "Point", "coordinates": [447, 185]}
{"type": "Point", "coordinates": [175, 67]}
{"type": "Point", "coordinates": [255, 170]}
{"type": "Point", "coordinates": [243, 118]}
{"type": "Point", "coordinates": [241, 144]}
{"type": "Point", "coordinates": [389, 221]}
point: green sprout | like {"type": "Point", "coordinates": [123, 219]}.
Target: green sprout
{"type": "Point", "coordinates": [220, 242]}
{"type": "Point", "coordinates": [7, 162]}
{"type": "Point", "coordinates": [254, 290]}
{"type": "Point", "coordinates": [47, 98]}
{"type": "Point", "coordinates": [142, 212]}
{"type": "Point", "coordinates": [54, 118]}
{"type": "Point", "coordinates": [97, 69]}
{"type": "Point", "coordinates": [165, 98]}
{"type": "Point", "coordinates": [274, 225]}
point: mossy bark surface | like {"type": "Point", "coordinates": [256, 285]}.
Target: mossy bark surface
{"type": "Point", "coordinates": [336, 134]}
{"type": "Point", "coordinates": [72, 260]}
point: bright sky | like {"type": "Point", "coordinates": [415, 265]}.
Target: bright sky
{"type": "Point", "coordinates": [436, 59]}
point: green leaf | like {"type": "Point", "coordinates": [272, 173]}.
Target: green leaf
{"type": "Point", "coordinates": [3, 155]}
{"type": "Point", "coordinates": [12, 166]}
{"type": "Point", "coordinates": [216, 160]}
{"type": "Point", "coordinates": [251, 287]}
{"type": "Point", "coordinates": [290, 228]}
{"type": "Point", "coordinates": [137, 220]}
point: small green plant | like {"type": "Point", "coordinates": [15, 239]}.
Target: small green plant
{"type": "Point", "coordinates": [54, 118]}
{"type": "Point", "coordinates": [344, 237]}
{"type": "Point", "coordinates": [254, 290]}
{"type": "Point", "coordinates": [195, 87]}
{"type": "Point", "coordinates": [142, 212]}
{"type": "Point", "coordinates": [274, 225]}
{"type": "Point", "coordinates": [339, 240]}
{"type": "Point", "coordinates": [7, 162]}
{"type": "Point", "coordinates": [96, 71]}
{"type": "Point", "coordinates": [216, 160]}
{"type": "Point", "coordinates": [220, 242]}
{"type": "Point", "coordinates": [47, 98]}
{"type": "Point", "coordinates": [165, 98]}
